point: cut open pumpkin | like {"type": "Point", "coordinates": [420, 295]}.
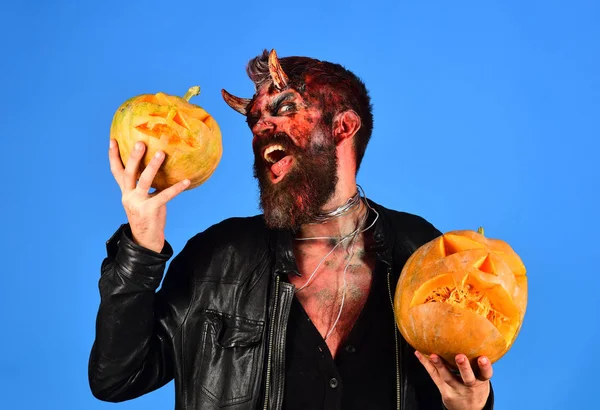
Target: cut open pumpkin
{"type": "Point", "coordinates": [462, 293]}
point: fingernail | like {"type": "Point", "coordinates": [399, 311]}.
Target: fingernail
{"type": "Point", "coordinates": [434, 359]}
{"type": "Point", "coordinates": [138, 146]}
{"type": "Point", "coordinates": [158, 154]}
{"type": "Point", "coordinates": [111, 144]}
{"type": "Point", "coordinates": [186, 182]}
{"type": "Point", "coordinates": [460, 360]}
{"type": "Point", "coordinates": [417, 354]}
{"type": "Point", "coordinates": [483, 361]}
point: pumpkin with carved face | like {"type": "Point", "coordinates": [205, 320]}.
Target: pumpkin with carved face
{"type": "Point", "coordinates": [186, 133]}
{"type": "Point", "coordinates": [462, 293]}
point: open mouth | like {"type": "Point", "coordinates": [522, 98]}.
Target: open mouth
{"type": "Point", "coordinates": [279, 161]}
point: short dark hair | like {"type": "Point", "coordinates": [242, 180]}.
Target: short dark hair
{"type": "Point", "coordinates": [338, 88]}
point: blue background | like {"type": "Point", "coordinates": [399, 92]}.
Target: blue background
{"type": "Point", "coordinates": [486, 113]}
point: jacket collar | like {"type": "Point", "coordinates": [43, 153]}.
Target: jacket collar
{"type": "Point", "coordinates": [285, 261]}
{"type": "Point", "coordinates": [383, 239]}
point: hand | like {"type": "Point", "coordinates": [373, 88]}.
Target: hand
{"type": "Point", "coordinates": [146, 212]}
{"type": "Point", "coordinates": [464, 392]}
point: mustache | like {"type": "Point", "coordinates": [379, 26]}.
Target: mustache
{"type": "Point", "coordinates": [280, 138]}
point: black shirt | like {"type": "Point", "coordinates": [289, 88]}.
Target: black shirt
{"type": "Point", "coordinates": [362, 376]}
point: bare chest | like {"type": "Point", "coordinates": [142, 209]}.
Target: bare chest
{"type": "Point", "coordinates": [335, 296]}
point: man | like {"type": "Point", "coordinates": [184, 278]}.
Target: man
{"type": "Point", "coordinates": [290, 309]}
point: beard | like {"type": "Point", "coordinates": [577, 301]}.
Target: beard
{"type": "Point", "coordinates": [301, 194]}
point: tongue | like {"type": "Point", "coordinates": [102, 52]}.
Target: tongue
{"type": "Point", "coordinates": [282, 166]}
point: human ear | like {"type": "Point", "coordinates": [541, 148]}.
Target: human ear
{"type": "Point", "coordinates": [345, 125]}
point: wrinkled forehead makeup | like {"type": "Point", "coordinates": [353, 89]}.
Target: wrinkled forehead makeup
{"type": "Point", "coordinates": [277, 82]}
{"type": "Point", "coordinates": [268, 99]}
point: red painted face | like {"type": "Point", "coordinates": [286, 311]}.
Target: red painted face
{"type": "Point", "coordinates": [295, 157]}
{"type": "Point", "coordinates": [277, 116]}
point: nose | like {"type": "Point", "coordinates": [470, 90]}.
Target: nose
{"type": "Point", "coordinates": [263, 127]}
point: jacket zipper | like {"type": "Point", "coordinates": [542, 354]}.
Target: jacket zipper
{"type": "Point", "coordinates": [287, 293]}
{"type": "Point", "coordinates": [398, 374]}
{"type": "Point", "coordinates": [270, 351]}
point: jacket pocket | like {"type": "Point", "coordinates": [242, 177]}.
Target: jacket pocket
{"type": "Point", "coordinates": [229, 359]}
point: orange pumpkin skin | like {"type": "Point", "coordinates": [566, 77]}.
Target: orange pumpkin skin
{"type": "Point", "coordinates": [462, 293]}
{"type": "Point", "coordinates": [186, 133]}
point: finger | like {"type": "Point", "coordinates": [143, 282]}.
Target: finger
{"type": "Point", "coordinates": [131, 169]}
{"type": "Point", "coordinates": [466, 372]}
{"type": "Point", "coordinates": [116, 165]}
{"type": "Point", "coordinates": [171, 192]}
{"type": "Point", "coordinates": [485, 368]}
{"type": "Point", "coordinates": [445, 373]}
{"type": "Point", "coordinates": [147, 176]}
{"type": "Point", "coordinates": [430, 367]}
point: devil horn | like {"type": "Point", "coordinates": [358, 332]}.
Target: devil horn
{"type": "Point", "coordinates": [237, 103]}
{"type": "Point", "coordinates": [280, 79]}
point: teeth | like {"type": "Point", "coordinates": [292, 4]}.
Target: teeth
{"type": "Point", "coordinates": [270, 149]}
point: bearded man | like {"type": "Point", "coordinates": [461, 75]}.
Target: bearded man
{"type": "Point", "coordinates": [290, 309]}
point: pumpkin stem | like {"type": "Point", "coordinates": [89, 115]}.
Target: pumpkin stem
{"type": "Point", "coordinates": [480, 230]}
{"type": "Point", "coordinates": [192, 92]}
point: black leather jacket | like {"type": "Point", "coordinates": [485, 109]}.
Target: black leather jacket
{"type": "Point", "coordinates": [217, 326]}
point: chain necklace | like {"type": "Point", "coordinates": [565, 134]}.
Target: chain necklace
{"type": "Point", "coordinates": [349, 206]}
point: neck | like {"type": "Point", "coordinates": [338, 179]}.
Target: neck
{"type": "Point", "coordinates": [340, 225]}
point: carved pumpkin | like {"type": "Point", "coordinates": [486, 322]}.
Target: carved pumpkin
{"type": "Point", "coordinates": [462, 293]}
{"type": "Point", "coordinates": [186, 133]}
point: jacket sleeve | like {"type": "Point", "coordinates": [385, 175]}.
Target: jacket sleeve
{"type": "Point", "coordinates": [132, 352]}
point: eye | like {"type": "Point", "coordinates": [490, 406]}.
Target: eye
{"type": "Point", "coordinates": [251, 120]}
{"type": "Point", "coordinates": [284, 108]}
